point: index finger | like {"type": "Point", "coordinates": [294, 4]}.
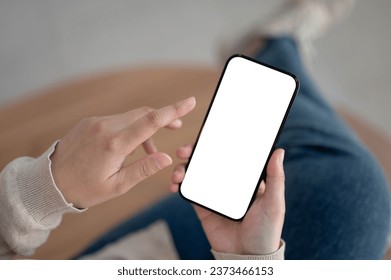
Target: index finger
{"type": "Point", "coordinates": [130, 137]}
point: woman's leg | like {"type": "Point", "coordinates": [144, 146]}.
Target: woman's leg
{"type": "Point", "coordinates": [337, 199]}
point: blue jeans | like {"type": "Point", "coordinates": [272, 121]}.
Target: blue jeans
{"type": "Point", "coordinates": [337, 199]}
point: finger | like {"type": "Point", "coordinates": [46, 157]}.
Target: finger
{"type": "Point", "coordinates": [178, 174]}
{"type": "Point", "coordinates": [143, 128]}
{"type": "Point", "coordinates": [275, 178]}
{"type": "Point", "coordinates": [122, 120]}
{"type": "Point", "coordinates": [201, 212]}
{"type": "Point", "coordinates": [177, 177]}
{"type": "Point", "coordinates": [126, 118]}
{"type": "Point", "coordinates": [184, 152]}
{"type": "Point", "coordinates": [136, 172]}
{"type": "Point", "coordinates": [174, 188]}
{"type": "Point", "coordinates": [149, 146]}
{"type": "Point", "coordinates": [132, 115]}
{"type": "Point", "coordinates": [175, 124]}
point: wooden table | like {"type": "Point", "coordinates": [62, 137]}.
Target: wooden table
{"type": "Point", "coordinates": [30, 126]}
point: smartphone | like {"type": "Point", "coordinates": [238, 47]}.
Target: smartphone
{"type": "Point", "coordinates": [244, 119]}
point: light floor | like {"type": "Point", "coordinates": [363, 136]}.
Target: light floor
{"type": "Point", "coordinates": [43, 42]}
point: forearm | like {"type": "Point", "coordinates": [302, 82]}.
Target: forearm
{"type": "Point", "coordinates": [30, 205]}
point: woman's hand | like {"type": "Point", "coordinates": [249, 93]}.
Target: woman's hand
{"type": "Point", "coordinates": [88, 164]}
{"type": "Point", "coordinates": [260, 231]}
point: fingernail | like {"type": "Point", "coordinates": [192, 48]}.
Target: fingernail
{"type": "Point", "coordinates": [163, 161]}
{"type": "Point", "coordinates": [177, 122]}
{"type": "Point", "coordinates": [191, 101]}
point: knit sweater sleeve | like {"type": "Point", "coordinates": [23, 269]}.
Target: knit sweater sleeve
{"type": "Point", "coordinates": [31, 205]}
{"type": "Point", "coordinates": [277, 255]}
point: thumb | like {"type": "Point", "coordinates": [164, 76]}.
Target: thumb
{"type": "Point", "coordinates": [275, 178]}
{"type": "Point", "coordinates": [136, 172]}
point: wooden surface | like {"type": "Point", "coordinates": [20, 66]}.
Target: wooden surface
{"type": "Point", "coordinates": [30, 126]}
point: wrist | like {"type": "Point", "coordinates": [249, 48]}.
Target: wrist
{"type": "Point", "coordinates": [42, 199]}
{"type": "Point", "coordinates": [59, 181]}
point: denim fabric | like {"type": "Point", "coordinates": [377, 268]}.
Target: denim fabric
{"type": "Point", "coordinates": [337, 199]}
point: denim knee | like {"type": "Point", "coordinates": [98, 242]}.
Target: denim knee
{"type": "Point", "coordinates": [369, 207]}
{"type": "Point", "coordinates": [338, 204]}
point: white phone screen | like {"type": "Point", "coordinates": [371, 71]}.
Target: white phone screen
{"type": "Point", "coordinates": [239, 132]}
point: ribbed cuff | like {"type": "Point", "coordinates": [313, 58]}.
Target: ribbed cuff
{"type": "Point", "coordinates": [39, 193]}
{"type": "Point", "coordinates": [277, 255]}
